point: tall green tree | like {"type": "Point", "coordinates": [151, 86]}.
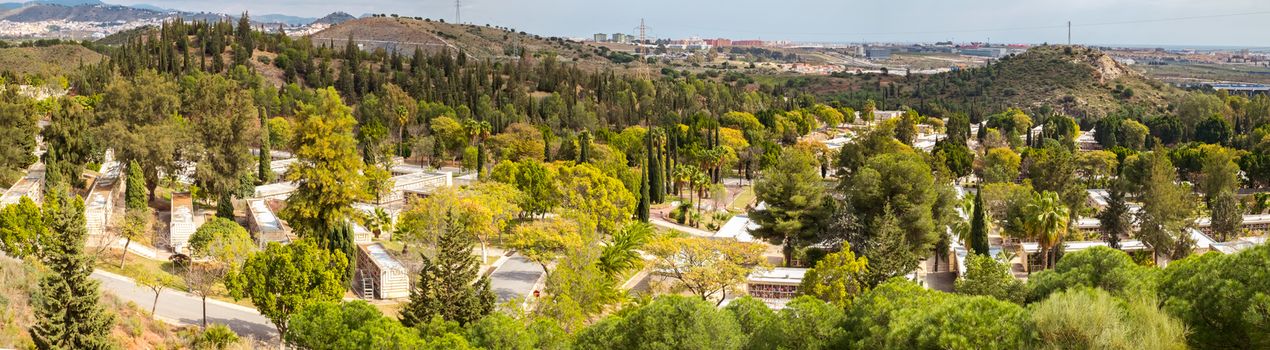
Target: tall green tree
{"type": "Point", "coordinates": [445, 286]}
{"type": "Point", "coordinates": [1046, 221]}
{"type": "Point", "coordinates": [796, 205]}
{"type": "Point", "coordinates": [1222, 299]}
{"type": "Point", "coordinates": [987, 276]}
{"type": "Point", "coordinates": [905, 184]}
{"type": "Point", "coordinates": [1115, 220]}
{"type": "Point", "coordinates": [135, 192]}
{"type": "Point", "coordinates": [642, 208]}
{"type": "Point", "coordinates": [1225, 217]}
{"type": "Point", "coordinates": [67, 314]}
{"type": "Point", "coordinates": [656, 177]}
{"type": "Point", "coordinates": [890, 254]}
{"type": "Point", "coordinates": [1167, 206]}
{"type": "Point", "coordinates": [979, 227]}
{"type": "Point", "coordinates": [282, 280]}
{"type": "Point", "coordinates": [328, 171]}
{"type": "Point", "coordinates": [264, 171]}
{"type": "Point", "coordinates": [225, 121]}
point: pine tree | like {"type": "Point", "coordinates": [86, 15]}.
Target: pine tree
{"type": "Point", "coordinates": [445, 285]}
{"type": "Point", "coordinates": [1114, 219]}
{"type": "Point", "coordinates": [641, 210]}
{"type": "Point", "coordinates": [135, 191]}
{"type": "Point", "coordinates": [265, 172]}
{"type": "Point", "coordinates": [66, 312]}
{"type": "Point", "coordinates": [979, 227]}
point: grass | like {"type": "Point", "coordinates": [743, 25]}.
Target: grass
{"type": "Point", "coordinates": [746, 197]}
{"type": "Point", "coordinates": [109, 261]}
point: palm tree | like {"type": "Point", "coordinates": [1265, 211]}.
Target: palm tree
{"type": "Point", "coordinates": [622, 253]}
{"type": "Point", "coordinates": [1046, 219]}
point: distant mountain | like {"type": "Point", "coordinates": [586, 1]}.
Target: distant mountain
{"type": "Point", "coordinates": [35, 12]}
{"type": "Point", "coordinates": [15, 5]}
{"type": "Point", "coordinates": [335, 18]}
{"type": "Point", "coordinates": [151, 8]}
{"type": "Point", "coordinates": [284, 19]}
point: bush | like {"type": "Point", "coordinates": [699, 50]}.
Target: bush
{"type": "Point", "coordinates": [1223, 299]}
{"type": "Point", "coordinates": [1101, 267]}
{"type": "Point", "coordinates": [1087, 318]}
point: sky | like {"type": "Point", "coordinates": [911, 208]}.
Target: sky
{"type": "Point", "coordinates": [1094, 22]}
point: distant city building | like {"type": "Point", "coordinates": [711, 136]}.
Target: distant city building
{"type": "Point", "coordinates": [719, 42]}
{"type": "Point", "coordinates": [621, 38]}
{"type": "Point", "coordinates": [878, 53]}
{"type": "Point", "coordinates": [749, 43]}
{"type": "Point", "coordinates": [600, 37]}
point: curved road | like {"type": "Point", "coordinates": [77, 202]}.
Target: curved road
{"type": "Point", "coordinates": [185, 309]}
{"type": "Point", "coordinates": [516, 278]}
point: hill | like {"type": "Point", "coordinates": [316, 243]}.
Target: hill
{"type": "Point", "coordinates": [1075, 80]}
{"type": "Point", "coordinates": [35, 12]}
{"type": "Point", "coordinates": [406, 34]}
{"type": "Point", "coordinates": [50, 61]}
{"type": "Point", "coordinates": [334, 18]}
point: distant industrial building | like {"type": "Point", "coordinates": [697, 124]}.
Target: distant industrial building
{"type": "Point", "coordinates": [878, 53]}
{"type": "Point", "coordinates": [748, 43]}
{"type": "Point", "coordinates": [989, 52]}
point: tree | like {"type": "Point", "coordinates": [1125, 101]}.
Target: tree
{"type": "Point", "coordinates": [804, 323]}
{"type": "Point", "coordinates": [67, 314]}
{"type": "Point", "coordinates": [282, 280]}
{"type": "Point", "coordinates": [986, 276]}
{"type": "Point", "coordinates": [1218, 171]}
{"type": "Point", "coordinates": [349, 325]}
{"type": "Point", "coordinates": [136, 221]}
{"type": "Point", "coordinates": [536, 183]}
{"type": "Point", "coordinates": [957, 157]}
{"type": "Point", "coordinates": [1214, 130]}
{"type": "Point", "coordinates": [1046, 220]}
{"type": "Point", "coordinates": [1226, 218]}
{"type": "Point", "coordinates": [903, 184]}
{"type": "Point", "coordinates": [594, 198]}
{"type": "Point", "coordinates": [669, 322]}
{"type": "Point", "coordinates": [155, 281]}
{"type": "Point", "coordinates": [445, 287]}
{"type": "Point", "coordinates": [451, 137]}
{"type": "Point", "coordinates": [707, 268]}
{"type": "Point", "coordinates": [225, 121]}
{"type": "Point", "coordinates": [795, 203]}
{"type": "Point", "coordinates": [889, 252]}
{"type": "Point", "coordinates": [1104, 268]}
{"type": "Point", "coordinates": [23, 231]}
{"type": "Point", "coordinates": [1115, 220]}
{"type": "Point", "coordinates": [1134, 135]}
{"type": "Point", "coordinates": [979, 227]}
{"type": "Point", "coordinates": [621, 253]}
{"type": "Point", "coordinates": [221, 246]}
{"type": "Point", "coordinates": [500, 331]}
{"type": "Point", "coordinates": [264, 170]}
{"type": "Point", "coordinates": [135, 192]}
{"type": "Point", "coordinates": [327, 173]}
{"type": "Point", "coordinates": [134, 110]}
{"type": "Point", "coordinates": [17, 141]}
{"type": "Point", "coordinates": [542, 241]}
{"type": "Point", "coordinates": [642, 208]}
{"type": "Point", "coordinates": [1087, 318]}
{"type": "Point", "coordinates": [1222, 299]}
{"type": "Point", "coordinates": [1167, 206]}
{"type": "Point", "coordinates": [902, 314]}
{"type": "Point", "coordinates": [1000, 165]}
{"type": "Point", "coordinates": [837, 278]}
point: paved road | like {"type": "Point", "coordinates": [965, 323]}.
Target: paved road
{"type": "Point", "coordinates": [515, 278]}
{"type": "Point", "coordinates": [183, 308]}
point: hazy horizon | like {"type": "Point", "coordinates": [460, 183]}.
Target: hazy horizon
{"type": "Point", "coordinates": [1231, 23]}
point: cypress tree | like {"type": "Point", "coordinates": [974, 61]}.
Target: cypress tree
{"type": "Point", "coordinates": [641, 210]}
{"type": "Point", "coordinates": [656, 185]}
{"type": "Point", "coordinates": [979, 227]}
{"type": "Point", "coordinates": [584, 147]}
{"type": "Point", "coordinates": [135, 190]}
{"type": "Point", "coordinates": [265, 172]}
{"type": "Point", "coordinates": [66, 312]}
{"type": "Point", "coordinates": [445, 286]}
{"type": "Point", "coordinates": [225, 207]}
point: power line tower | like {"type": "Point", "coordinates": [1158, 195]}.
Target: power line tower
{"type": "Point", "coordinates": [643, 33]}
{"type": "Point", "coordinates": [457, 5]}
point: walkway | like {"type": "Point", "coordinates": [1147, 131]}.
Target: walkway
{"type": "Point", "coordinates": [515, 278]}
{"type": "Point", "coordinates": [184, 309]}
